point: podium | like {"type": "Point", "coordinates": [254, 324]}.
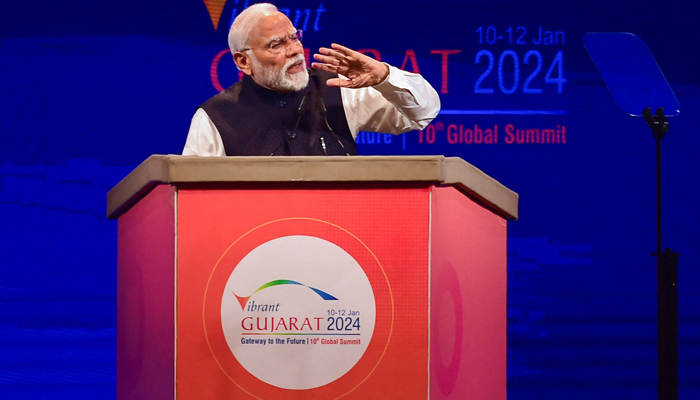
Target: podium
{"type": "Point", "coordinates": [311, 278]}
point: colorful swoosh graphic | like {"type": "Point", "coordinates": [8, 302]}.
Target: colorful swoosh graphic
{"type": "Point", "coordinates": [278, 282]}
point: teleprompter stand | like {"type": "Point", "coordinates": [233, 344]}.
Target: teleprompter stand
{"type": "Point", "coordinates": [667, 276]}
{"type": "Point", "coordinates": [636, 82]}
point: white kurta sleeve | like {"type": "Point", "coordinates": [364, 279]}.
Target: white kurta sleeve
{"type": "Point", "coordinates": [203, 139]}
{"type": "Point", "coordinates": [403, 102]}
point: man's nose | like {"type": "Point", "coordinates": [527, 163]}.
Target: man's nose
{"type": "Point", "coordinates": [292, 48]}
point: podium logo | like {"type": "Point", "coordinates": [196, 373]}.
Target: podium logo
{"type": "Point", "coordinates": [244, 300]}
{"type": "Point", "coordinates": [288, 332]}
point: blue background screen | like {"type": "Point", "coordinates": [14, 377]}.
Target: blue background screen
{"type": "Point", "coordinates": [89, 89]}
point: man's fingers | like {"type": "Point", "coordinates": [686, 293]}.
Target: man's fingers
{"type": "Point", "coordinates": [346, 51]}
{"type": "Point", "coordinates": [338, 54]}
{"type": "Point", "coordinates": [348, 83]}
{"type": "Point", "coordinates": [340, 82]}
{"type": "Point", "coordinates": [337, 82]}
{"type": "Point", "coordinates": [332, 53]}
{"type": "Point", "coordinates": [325, 67]}
{"type": "Point", "coordinates": [326, 59]}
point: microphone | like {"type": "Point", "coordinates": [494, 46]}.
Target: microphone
{"type": "Point", "coordinates": [301, 110]}
{"type": "Point", "coordinates": [321, 106]}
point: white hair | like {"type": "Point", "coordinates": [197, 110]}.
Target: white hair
{"type": "Point", "coordinates": [239, 35]}
{"type": "Point", "coordinates": [277, 79]}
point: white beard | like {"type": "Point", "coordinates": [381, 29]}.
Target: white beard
{"type": "Point", "coordinates": [277, 79]}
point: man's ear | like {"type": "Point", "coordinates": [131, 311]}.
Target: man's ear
{"type": "Point", "coordinates": [243, 62]}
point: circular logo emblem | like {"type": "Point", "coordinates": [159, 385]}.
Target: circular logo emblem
{"type": "Point", "coordinates": [298, 312]}
{"type": "Point", "coordinates": [298, 305]}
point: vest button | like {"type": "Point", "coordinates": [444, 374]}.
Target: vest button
{"type": "Point", "coordinates": [283, 103]}
{"type": "Point", "coordinates": [291, 135]}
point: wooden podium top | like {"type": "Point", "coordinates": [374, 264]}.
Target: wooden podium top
{"type": "Point", "coordinates": [174, 169]}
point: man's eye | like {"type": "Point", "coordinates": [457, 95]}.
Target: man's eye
{"type": "Point", "coordinates": [276, 44]}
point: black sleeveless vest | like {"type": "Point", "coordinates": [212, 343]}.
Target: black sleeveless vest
{"type": "Point", "coordinates": [255, 121]}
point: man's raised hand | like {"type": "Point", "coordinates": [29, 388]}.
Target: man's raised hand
{"type": "Point", "coordinates": [361, 70]}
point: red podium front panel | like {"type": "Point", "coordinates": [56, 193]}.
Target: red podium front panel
{"type": "Point", "coordinates": [303, 293]}
{"type": "Point", "coordinates": [468, 299]}
{"type": "Point", "coordinates": [145, 298]}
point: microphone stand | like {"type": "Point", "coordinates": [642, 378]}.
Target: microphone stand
{"type": "Point", "coordinates": [667, 280]}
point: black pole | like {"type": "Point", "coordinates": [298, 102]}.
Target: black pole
{"type": "Point", "coordinates": [667, 267]}
{"type": "Point", "coordinates": [667, 279]}
{"type": "Point", "coordinates": [658, 193]}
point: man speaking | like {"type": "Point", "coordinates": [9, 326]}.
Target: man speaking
{"type": "Point", "coordinates": [281, 108]}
